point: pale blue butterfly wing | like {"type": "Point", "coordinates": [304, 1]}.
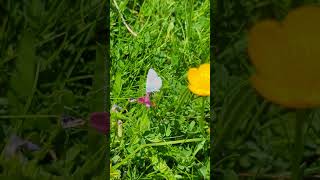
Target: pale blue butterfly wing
{"type": "Point", "coordinates": [154, 82]}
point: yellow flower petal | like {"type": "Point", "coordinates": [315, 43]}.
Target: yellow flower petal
{"type": "Point", "coordinates": [199, 80]}
{"type": "Point", "coordinates": [287, 94]}
{"type": "Point", "coordinates": [286, 58]}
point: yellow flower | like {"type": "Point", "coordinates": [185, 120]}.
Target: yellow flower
{"type": "Point", "coordinates": [199, 80]}
{"type": "Point", "coordinates": [286, 56]}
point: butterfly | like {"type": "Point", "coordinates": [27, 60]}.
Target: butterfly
{"type": "Point", "coordinates": [153, 84]}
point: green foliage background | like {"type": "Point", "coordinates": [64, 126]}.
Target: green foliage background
{"type": "Point", "coordinates": [47, 68]}
{"type": "Point", "coordinates": [164, 142]}
{"type": "Point", "coordinates": [257, 136]}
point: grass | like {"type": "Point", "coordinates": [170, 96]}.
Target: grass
{"type": "Point", "coordinates": [164, 142]}
{"type": "Point", "coordinates": [47, 68]}
{"type": "Point", "coordinates": [256, 136]}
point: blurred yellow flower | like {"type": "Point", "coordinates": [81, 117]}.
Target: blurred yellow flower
{"type": "Point", "coordinates": [286, 56]}
{"type": "Point", "coordinates": [199, 80]}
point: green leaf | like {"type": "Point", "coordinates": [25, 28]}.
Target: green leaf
{"type": "Point", "coordinates": [22, 81]}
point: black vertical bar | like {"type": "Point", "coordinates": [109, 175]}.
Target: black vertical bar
{"type": "Point", "coordinates": [107, 96]}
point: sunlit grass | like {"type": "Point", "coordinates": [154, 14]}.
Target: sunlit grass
{"type": "Point", "coordinates": [165, 141]}
{"type": "Point", "coordinates": [47, 69]}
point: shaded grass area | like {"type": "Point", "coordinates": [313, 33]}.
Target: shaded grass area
{"type": "Point", "coordinates": [47, 69]}
{"type": "Point", "coordinates": [257, 136]}
{"type": "Point", "coordinates": [164, 142]}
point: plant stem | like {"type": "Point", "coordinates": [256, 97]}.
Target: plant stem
{"type": "Point", "coordinates": [301, 117]}
{"type": "Point", "coordinates": [202, 120]}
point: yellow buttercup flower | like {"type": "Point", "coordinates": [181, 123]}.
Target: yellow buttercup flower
{"type": "Point", "coordinates": [286, 56]}
{"type": "Point", "coordinates": [199, 80]}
